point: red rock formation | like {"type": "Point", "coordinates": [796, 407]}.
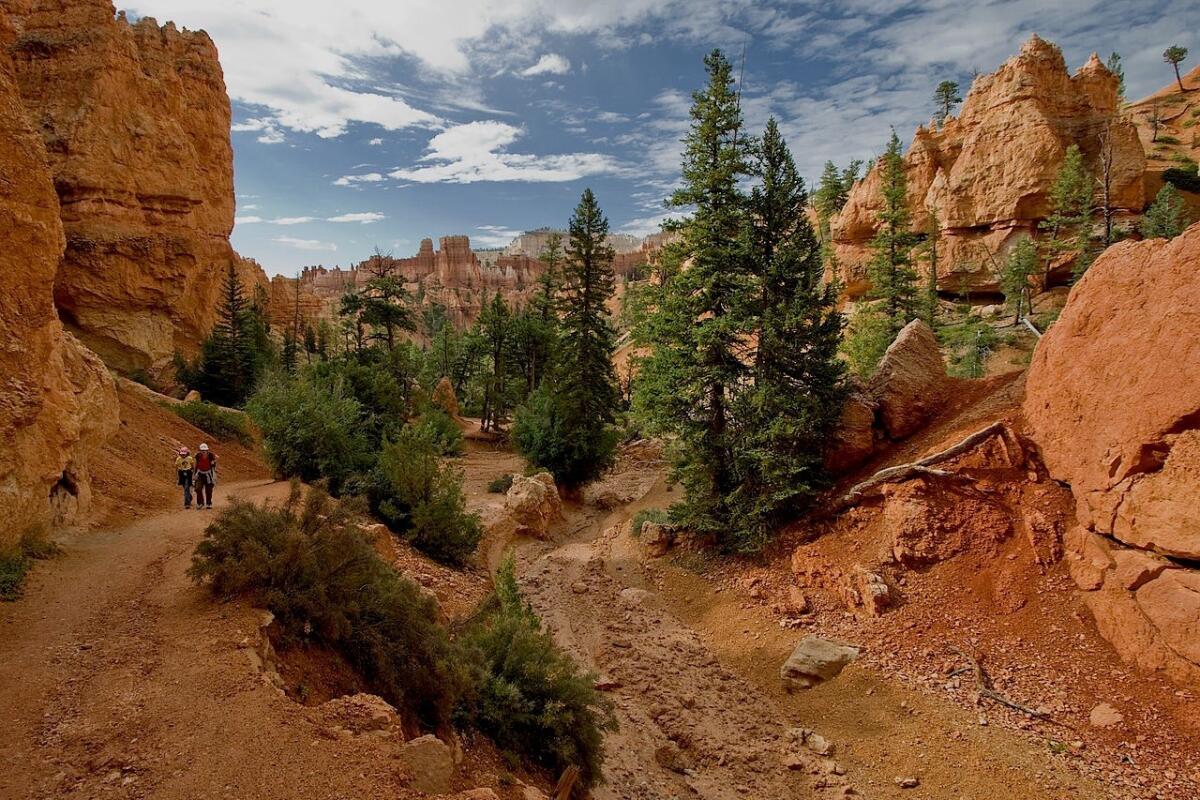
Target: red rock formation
{"type": "Point", "coordinates": [987, 173]}
{"type": "Point", "coordinates": [135, 121]}
{"type": "Point", "coordinates": [1113, 401]}
{"type": "Point", "coordinates": [57, 402]}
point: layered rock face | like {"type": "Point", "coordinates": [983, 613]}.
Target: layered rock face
{"type": "Point", "coordinates": [135, 121]}
{"type": "Point", "coordinates": [1113, 401]}
{"type": "Point", "coordinates": [987, 174]}
{"type": "Point", "coordinates": [57, 402]}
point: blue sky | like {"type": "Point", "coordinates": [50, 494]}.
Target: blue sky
{"type": "Point", "coordinates": [367, 123]}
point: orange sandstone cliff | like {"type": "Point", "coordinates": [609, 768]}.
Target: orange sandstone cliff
{"type": "Point", "coordinates": [987, 173]}
{"type": "Point", "coordinates": [57, 402]}
{"type": "Point", "coordinates": [135, 124]}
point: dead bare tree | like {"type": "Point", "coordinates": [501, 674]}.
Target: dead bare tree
{"type": "Point", "coordinates": [1105, 137]}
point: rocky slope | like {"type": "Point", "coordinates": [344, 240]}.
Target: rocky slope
{"type": "Point", "coordinates": [135, 123]}
{"type": "Point", "coordinates": [1114, 404]}
{"type": "Point", "coordinates": [986, 174]}
{"type": "Point", "coordinates": [57, 402]}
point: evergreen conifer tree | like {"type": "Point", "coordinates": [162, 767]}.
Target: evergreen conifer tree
{"type": "Point", "coordinates": [698, 328]}
{"type": "Point", "coordinates": [893, 278]}
{"type": "Point", "coordinates": [567, 426]}
{"type": "Point", "coordinates": [1166, 217]}
{"type": "Point", "coordinates": [798, 382]}
{"type": "Point", "coordinates": [495, 332]}
{"type": "Point", "coordinates": [1069, 222]}
{"type": "Point", "coordinates": [945, 98]}
{"type": "Point", "coordinates": [1022, 265]}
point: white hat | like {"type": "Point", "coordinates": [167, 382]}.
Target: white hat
{"type": "Point", "coordinates": [203, 447]}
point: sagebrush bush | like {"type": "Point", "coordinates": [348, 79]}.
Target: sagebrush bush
{"type": "Point", "coordinates": [527, 695]}
{"type": "Point", "coordinates": [421, 498]}
{"type": "Point", "coordinates": [501, 484]}
{"type": "Point", "coordinates": [216, 421]}
{"type": "Point", "coordinates": [658, 515]}
{"type": "Point", "coordinates": [311, 429]}
{"type": "Point", "coordinates": [309, 564]}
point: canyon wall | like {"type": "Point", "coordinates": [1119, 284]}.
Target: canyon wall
{"type": "Point", "coordinates": [453, 276]}
{"type": "Point", "coordinates": [57, 402]}
{"type": "Point", "coordinates": [987, 173]}
{"type": "Point", "coordinates": [1113, 402]}
{"type": "Point", "coordinates": [135, 123]}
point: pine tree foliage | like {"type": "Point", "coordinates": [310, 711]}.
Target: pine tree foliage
{"type": "Point", "coordinates": [1068, 225]}
{"type": "Point", "coordinates": [1021, 267]}
{"type": "Point", "coordinates": [1167, 216]}
{"type": "Point", "coordinates": [566, 427]}
{"type": "Point", "coordinates": [945, 98]}
{"type": "Point", "coordinates": [698, 331]}
{"type": "Point", "coordinates": [798, 386]}
{"type": "Point", "coordinates": [890, 270]}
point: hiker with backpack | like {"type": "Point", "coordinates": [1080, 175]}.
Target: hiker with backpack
{"type": "Point", "coordinates": [206, 476]}
{"type": "Point", "coordinates": [185, 468]}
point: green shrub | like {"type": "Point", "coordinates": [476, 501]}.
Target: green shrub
{"type": "Point", "coordinates": [445, 434]}
{"type": "Point", "coordinates": [527, 695]}
{"type": "Point", "coordinates": [658, 515]}
{"type": "Point", "coordinates": [1166, 139]}
{"type": "Point", "coordinates": [572, 454]}
{"type": "Point", "coordinates": [867, 338]}
{"type": "Point", "coordinates": [421, 498]}
{"type": "Point", "coordinates": [216, 421]}
{"type": "Point", "coordinates": [310, 429]}
{"type": "Point", "coordinates": [502, 484]}
{"type": "Point", "coordinates": [969, 341]}
{"type": "Point", "coordinates": [316, 571]}
{"type": "Point", "coordinates": [1185, 177]}
{"type": "Point", "coordinates": [16, 560]}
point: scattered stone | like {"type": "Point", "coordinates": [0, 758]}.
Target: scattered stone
{"type": "Point", "coordinates": [431, 762]}
{"type": "Point", "coordinates": [669, 756]}
{"type": "Point", "coordinates": [657, 538]}
{"type": "Point", "coordinates": [1105, 716]}
{"type": "Point", "coordinates": [814, 661]}
{"type": "Point", "coordinates": [908, 782]}
{"type": "Point", "coordinates": [192, 397]}
{"type": "Point", "coordinates": [798, 600]}
{"type": "Point", "coordinates": [360, 713]}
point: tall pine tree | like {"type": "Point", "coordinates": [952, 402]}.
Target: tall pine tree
{"type": "Point", "coordinates": [567, 426]}
{"type": "Point", "coordinates": [893, 278]}
{"type": "Point", "coordinates": [697, 330]}
{"type": "Point", "coordinates": [798, 378]}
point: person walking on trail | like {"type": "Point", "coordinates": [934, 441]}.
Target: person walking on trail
{"type": "Point", "coordinates": [206, 476]}
{"type": "Point", "coordinates": [185, 468]}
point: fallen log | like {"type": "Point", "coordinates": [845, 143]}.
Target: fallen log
{"type": "Point", "coordinates": [921, 467]}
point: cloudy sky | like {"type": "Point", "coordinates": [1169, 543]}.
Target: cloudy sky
{"type": "Point", "coordinates": [365, 123]}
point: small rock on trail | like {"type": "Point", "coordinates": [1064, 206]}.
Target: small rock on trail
{"type": "Point", "coordinates": [814, 661]}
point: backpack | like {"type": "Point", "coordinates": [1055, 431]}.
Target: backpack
{"type": "Point", "coordinates": [204, 461]}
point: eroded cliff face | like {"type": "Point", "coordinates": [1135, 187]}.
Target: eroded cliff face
{"type": "Point", "coordinates": [135, 123]}
{"type": "Point", "coordinates": [57, 402]}
{"type": "Point", "coordinates": [1113, 401]}
{"type": "Point", "coordinates": [987, 173]}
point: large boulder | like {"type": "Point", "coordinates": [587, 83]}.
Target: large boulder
{"type": "Point", "coordinates": [853, 440]}
{"type": "Point", "coordinates": [431, 763]}
{"type": "Point", "coordinates": [814, 661]}
{"type": "Point", "coordinates": [57, 402]}
{"type": "Point", "coordinates": [533, 504]}
{"type": "Point", "coordinates": [910, 384]}
{"type": "Point", "coordinates": [1113, 402]}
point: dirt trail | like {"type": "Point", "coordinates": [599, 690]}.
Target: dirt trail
{"type": "Point", "coordinates": [120, 679]}
{"type": "Point", "coordinates": [689, 726]}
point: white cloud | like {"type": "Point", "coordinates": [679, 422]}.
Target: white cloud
{"type": "Point", "coordinates": [375, 142]}
{"type": "Point", "coordinates": [292, 220]}
{"type": "Point", "coordinates": [306, 244]}
{"type": "Point", "coordinates": [250, 220]}
{"type": "Point", "coordinates": [477, 152]}
{"type": "Point", "coordinates": [492, 236]}
{"type": "Point", "coordinates": [250, 207]}
{"type": "Point", "coordinates": [549, 64]}
{"type": "Point", "coordinates": [364, 217]}
{"type": "Point", "coordinates": [644, 226]}
{"type": "Point", "coordinates": [350, 180]}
